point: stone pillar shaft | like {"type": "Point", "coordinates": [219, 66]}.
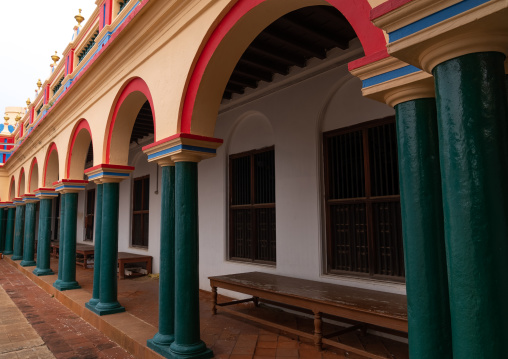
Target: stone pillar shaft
{"type": "Point", "coordinates": [473, 132]}
{"type": "Point", "coordinates": [61, 242]}
{"type": "Point", "coordinates": [44, 238]}
{"type": "Point", "coordinates": [3, 225]}
{"type": "Point", "coordinates": [9, 230]}
{"type": "Point", "coordinates": [18, 232]}
{"type": "Point", "coordinates": [97, 250]}
{"type": "Point", "coordinates": [29, 237]}
{"type": "Point", "coordinates": [423, 233]}
{"type": "Point", "coordinates": [165, 336]}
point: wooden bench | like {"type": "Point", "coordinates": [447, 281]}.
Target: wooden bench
{"type": "Point", "coordinates": [365, 307]}
{"type": "Point", "coordinates": [124, 258]}
{"type": "Point", "coordinates": [86, 251]}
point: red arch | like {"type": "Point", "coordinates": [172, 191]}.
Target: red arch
{"type": "Point", "coordinates": [136, 84]}
{"type": "Point", "coordinates": [356, 12]}
{"type": "Point", "coordinates": [22, 173]}
{"type": "Point", "coordinates": [51, 148]}
{"type": "Point", "coordinates": [81, 125]}
{"type": "Point", "coordinates": [34, 162]}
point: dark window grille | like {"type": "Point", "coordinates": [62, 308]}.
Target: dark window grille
{"type": "Point", "coordinates": [58, 85]}
{"type": "Point", "coordinates": [140, 211]}
{"type": "Point", "coordinates": [364, 234]}
{"type": "Point", "coordinates": [252, 206]}
{"type": "Point", "coordinates": [86, 49]}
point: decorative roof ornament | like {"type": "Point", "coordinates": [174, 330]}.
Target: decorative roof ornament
{"type": "Point", "coordinates": [55, 58]}
{"type": "Point", "coordinates": [39, 83]}
{"type": "Point", "coordinates": [6, 118]}
{"type": "Point", "coordinates": [79, 18]}
{"type": "Point", "coordinates": [28, 102]}
{"type": "Point", "coordinates": [18, 117]}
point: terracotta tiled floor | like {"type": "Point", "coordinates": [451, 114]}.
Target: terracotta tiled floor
{"type": "Point", "coordinates": [231, 337]}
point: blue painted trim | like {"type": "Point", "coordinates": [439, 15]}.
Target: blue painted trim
{"type": "Point", "coordinates": [69, 186]}
{"type": "Point", "coordinates": [47, 194]}
{"type": "Point", "coordinates": [435, 18]}
{"type": "Point", "coordinates": [375, 80]}
{"type": "Point", "coordinates": [97, 175]}
{"type": "Point", "coordinates": [181, 147]}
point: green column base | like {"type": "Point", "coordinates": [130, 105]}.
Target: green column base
{"type": "Point", "coordinates": [41, 272]}
{"type": "Point", "coordinates": [92, 303]}
{"type": "Point", "coordinates": [17, 258]}
{"type": "Point", "coordinates": [61, 286]}
{"type": "Point", "coordinates": [160, 344]}
{"type": "Point", "coordinates": [106, 309]}
{"type": "Point", "coordinates": [8, 253]}
{"type": "Point", "coordinates": [28, 263]}
{"type": "Point", "coordinates": [194, 351]}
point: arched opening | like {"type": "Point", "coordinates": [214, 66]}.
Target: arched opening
{"type": "Point", "coordinates": [285, 60]}
{"type": "Point", "coordinates": [133, 105]}
{"type": "Point", "coordinates": [80, 153]}
{"type": "Point", "coordinates": [21, 183]}
{"type": "Point", "coordinates": [33, 183]}
{"type": "Point", "coordinates": [237, 31]}
{"type": "Point", "coordinates": [51, 167]}
{"type": "Point", "coordinates": [12, 189]}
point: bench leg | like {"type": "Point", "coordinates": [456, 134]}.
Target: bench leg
{"type": "Point", "coordinates": [214, 300]}
{"type": "Point", "coordinates": [256, 301]}
{"type": "Point", "coordinates": [318, 335]}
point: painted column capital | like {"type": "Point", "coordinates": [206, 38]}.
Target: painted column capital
{"type": "Point", "coordinates": [29, 198]}
{"type": "Point", "coordinates": [70, 186]}
{"type": "Point", "coordinates": [45, 193]}
{"type": "Point", "coordinates": [7, 205]}
{"type": "Point", "coordinates": [18, 201]}
{"type": "Point", "coordinates": [108, 173]}
{"type": "Point", "coordinates": [392, 81]}
{"type": "Point", "coordinates": [182, 147]}
{"type": "Point", "coordinates": [426, 33]}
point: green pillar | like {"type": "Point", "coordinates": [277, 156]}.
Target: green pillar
{"type": "Point", "coordinates": [108, 302]}
{"type": "Point", "coordinates": [187, 342]}
{"type": "Point", "coordinates": [3, 220]}
{"type": "Point", "coordinates": [165, 336]}
{"type": "Point", "coordinates": [473, 136]}
{"type": "Point", "coordinates": [68, 252]}
{"type": "Point", "coordinates": [9, 230]}
{"type": "Point", "coordinates": [61, 243]}
{"type": "Point", "coordinates": [29, 238]}
{"type": "Point", "coordinates": [44, 238]}
{"type": "Point", "coordinates": [423, 232]}
{"type": "Point", "coordinates": [18, 232]}
{"type": "Point", "coordinates": [97, 251]}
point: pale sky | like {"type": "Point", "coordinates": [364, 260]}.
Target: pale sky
{"type": "Point", "coordinates": [30, 32]}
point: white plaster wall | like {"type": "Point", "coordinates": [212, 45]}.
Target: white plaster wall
{"type": "Point", "coordinates": [142, 168]}
{"type": "Point", "coordinates": [292, 118]}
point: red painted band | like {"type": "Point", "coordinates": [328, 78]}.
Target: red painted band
{"type": "Point", "coordinates": [137, 84]}
{"type": "Point", "coordinates": [387, 7]}
{"type": "Point", "coordinates": [183, 135]}
{"type": "Point", "coordinates": [368, 59]}
{"type": "Point", "coordinates": [356, 12]}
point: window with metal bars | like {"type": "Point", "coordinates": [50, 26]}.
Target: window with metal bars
{"type": "Point", "coordinates": [363, 220]}
{"type": "Point", "coordinates": [140, 211]}
{"type": "Point", "coordinates": [252, 206]}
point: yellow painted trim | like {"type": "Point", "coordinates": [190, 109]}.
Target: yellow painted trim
{"type": "Point", "coordinates": [377, 68]}
{"type": "Point", "coordinates": [410, 13]}
{"type": "Point", "coordinates": [416, 85]}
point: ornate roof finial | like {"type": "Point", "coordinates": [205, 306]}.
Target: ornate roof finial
{"type": "Point", "coordinates": [18, 117]}
{"type": "Point", "coordinates": [28, 102]}
{"type": "Point", "coordinates": [55, 58]}
{"type": "Point", "coordinates": [6, 118]}
{"type": "Point", "coordinates": [39, 83]}
{"type": "Point", "coordinates": [79, 18]}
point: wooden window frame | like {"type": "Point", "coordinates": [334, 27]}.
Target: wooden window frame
{"type": "Point", "coordinates": [252, 206]}
{"type": "Point", "coordinates": [368, 200]}
{"type": "Point", "coordinates": [142, 212]}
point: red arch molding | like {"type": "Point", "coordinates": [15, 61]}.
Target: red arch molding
{"type": "Point", "coordinates": [34, 162]}
{"type": "Point", "coordinates": [136, 84]}
{"type": "Point", "coordinates": [82, 125]}
{"type": "Point", "coordinates": [356, 12]}
{"type": "Point", "coordinates": [22, 173]}
{"type": "Point", "coordinates": [10, 188]}
{"type": "Point", "coordinates": [51, 148]}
